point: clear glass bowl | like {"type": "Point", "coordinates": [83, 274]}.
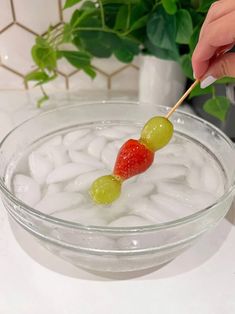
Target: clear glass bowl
{"type": "Point", "coordinates": [98, 248]}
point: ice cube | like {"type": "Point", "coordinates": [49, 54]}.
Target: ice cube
{"type": "Point", "coordinates": [54, 188]}
{"type": "Point", "coordinates": [83, 158]}
{"type": "Point", "coordinates": [212, 180]}
{"type": "Point", "coordinates": [26, 189]}
{"type": "Point", "coordinates": [194, 198]}
{"type": "Point", "coordinates": [136, 190]}
{"type": "Point", "coordinates": [84, 181]}
{"type": "Point", "coordinates": [67, 172]}
{"type": "Point", "coordinates": [96, 146]}
{"type": "Point", "coordinates": [82, 142]}
{"type": "Point", "coordinates": [84, 216]}
{"type": "Point", "coordinates": [113, 211]}
{"type": "Point", "coordinates": [194, 177]}
{"type": "Point", "coordinates": [172, 149]}
{"type": "Point", "coordinates": [111, 133]}
{"type": "Point", "coordinates": [172, 160]}
{"type": "Point", "coordinates": [58, 155]}
{"type": "Point", "coordinates": [194, 154]}
{"type": "Point", "coordinates": [109, 155]}
{"type": "Point", "coordinates": [129, 221]}
{"type": "Point", "coordinates": [56, 202]}
{"type": "Point", "coordinates": [125, 129]}
{"type": "Point", "coordinates": [118, 144]}
{"type": "Point", "coordinates": [55, 141]}
{"type": "Point", "coordinates": [172, 207]}
{"type": "Point", "coordinates": [39, 167]}
{"type": "Point", "coordinates": [71, 137]}
{"type": "Point", "coordinates": [158, 173]}
{"type": "Point", "coordinates": [151, 211]}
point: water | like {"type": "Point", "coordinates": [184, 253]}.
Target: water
{"type": "Point", "coordinates": [54, 177]}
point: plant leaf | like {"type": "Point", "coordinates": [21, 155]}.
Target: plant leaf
{"type": "Point", "coordinates": [160, 52]}
{"type": "Point", "coordinates": [48, 79]}
{"type": "Point", "coordinates": [100, 44]}
{"type": "Point", "coordinates": [126, 50]}
{"type": "Point", "coordinates": [36, 76]}
{"type": "Point", "coordinates": [67, 33]}
{"type": "Point", "coordinates": [139, 23]}
{"type": "Point", "coordinates": [161, 30]}
{"type": "Point", "coordinates": [120, 1]}
{"type": "Point", "coordinates": [42, 100]}
{"type": "Point", "coordinates": [186, 65]}
{"type": "Point", "coordinates": [70, 3]}
{"type": "Point", "coordinates": [170, 6]}
{"type": "Point", "coordinates": [89, 71]}
{"type": "Point", "coordinates": [41, 42]}
{"type": "Point", "coordinates": [198, 91]}
{"type": "Point", "coordinates": [78, 59]}
{"type": "Point", "coordinates": [85, 12]}
{"type": "Point", "coordinates": [205, 5]}
{"type": "Point", "coordinates": [194, 38]}
{"type": "Point", "coordinates": [121, 18]}
{"type": "Point", "coordinates": [217, 107]}
{"type": "Point", "coordinates": [44, 57]}
{"type": "Point", "coordinates": [226, 80]}
{"type": "Point", "coordinates": [184, 26]}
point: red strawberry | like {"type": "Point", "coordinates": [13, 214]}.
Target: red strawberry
{"type": "Point", "coordinates": [133, 158]}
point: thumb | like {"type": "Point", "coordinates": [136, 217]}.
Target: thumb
{"type": "Point", "coordinates": [222, 66]}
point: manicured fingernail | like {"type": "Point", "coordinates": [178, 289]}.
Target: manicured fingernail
{"type": "Point", "coordinates": [207, 81]}
{"type": "Point", "coordinates": [194, 76]}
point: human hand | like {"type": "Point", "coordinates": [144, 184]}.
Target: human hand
{"type": "Point", "coordinates": [210, 60]}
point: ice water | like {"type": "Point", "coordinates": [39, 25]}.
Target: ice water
{"type": "Point", "coordinates": [55, 175]}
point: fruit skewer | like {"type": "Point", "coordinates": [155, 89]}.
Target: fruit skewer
{"type": "Point", "coordinates": [136, 156]}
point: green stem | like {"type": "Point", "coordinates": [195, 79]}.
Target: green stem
{"type": "Point", "coordinates": [128, 16]}
{"type": "Point", "coordinates": [43, 90]}
{"type": "Point", "coordinates": [213, 92]}
{"type": "Point", "coordinates": [102, 13]}
{"type": "Point", "coordinates": [156, 5]}
{"type": "Point", "coordinates": [105, 29]}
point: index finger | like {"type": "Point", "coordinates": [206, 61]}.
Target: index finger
{"type": "Point", "coordinates": [217, 34]}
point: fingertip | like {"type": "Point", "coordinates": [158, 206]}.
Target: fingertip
{"type": "Point", "coordinates": [207, 81]}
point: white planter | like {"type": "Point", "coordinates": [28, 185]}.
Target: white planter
{"type": "Point", "coordinates": [161, 82]}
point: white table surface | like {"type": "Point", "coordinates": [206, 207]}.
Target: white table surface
{"type": "Point", "coordinates": [33, 281]}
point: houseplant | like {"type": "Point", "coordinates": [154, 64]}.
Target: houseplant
{"type": "Point", "coordinates": [167, 29]}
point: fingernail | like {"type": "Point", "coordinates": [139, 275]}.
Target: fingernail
{"type": "Point", "coordinates": [194, 76]}
{"type": "Point", "coordinates": [207, 81]}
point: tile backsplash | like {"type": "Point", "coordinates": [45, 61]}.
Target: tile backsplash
{"type": "Point", "coordinates": [20, 21]}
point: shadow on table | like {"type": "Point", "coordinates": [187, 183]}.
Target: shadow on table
{"type": "Point", "coordinates": [193, 258]}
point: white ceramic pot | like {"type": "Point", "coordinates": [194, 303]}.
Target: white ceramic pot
{"type": "Point", "coordinates": [161, 82]}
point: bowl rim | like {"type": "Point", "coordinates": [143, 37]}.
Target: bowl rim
{"type": "Point", "coordinates": [146, 228]}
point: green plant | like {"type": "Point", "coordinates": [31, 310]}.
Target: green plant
{"type": "Point", "coordinates": [167, 29]}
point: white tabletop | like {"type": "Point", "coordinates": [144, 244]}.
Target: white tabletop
{"type": "Point", "coordinates": [33, 281]}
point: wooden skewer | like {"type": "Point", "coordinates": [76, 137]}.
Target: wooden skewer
{"type": "Point", "coordinates": [179, 102]}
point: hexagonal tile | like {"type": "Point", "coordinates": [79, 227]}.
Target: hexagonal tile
{"type": "Point", "coordinates": [109, 65]}
{"type": "Point", "coordinates": [5, 14]}
{"type": "Point", "coordinates": [64, 67]}
{"type": "Point", "coordinates": [81, 81]}
{"type": "Point", "coordinates": [16, 44]}
{"type": "Point", "coordinates": [37, 15]}
{"type": "Point", "coordinates": [57, 85]}
{"type": "Point", "coordinates": [10, 80]}
{"type": "Point", "coordinates": [68, 12]}
{"type": "Point", "coordinates": [126, 79]}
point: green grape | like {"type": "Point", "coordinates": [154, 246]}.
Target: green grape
{"type": "Point", "coordinates": [105, 189]}
{"type": "Point", "coordinates": [157, 133]}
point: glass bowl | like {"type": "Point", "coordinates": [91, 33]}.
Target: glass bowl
{"type": "Point", "coordinates": [98, 248]}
